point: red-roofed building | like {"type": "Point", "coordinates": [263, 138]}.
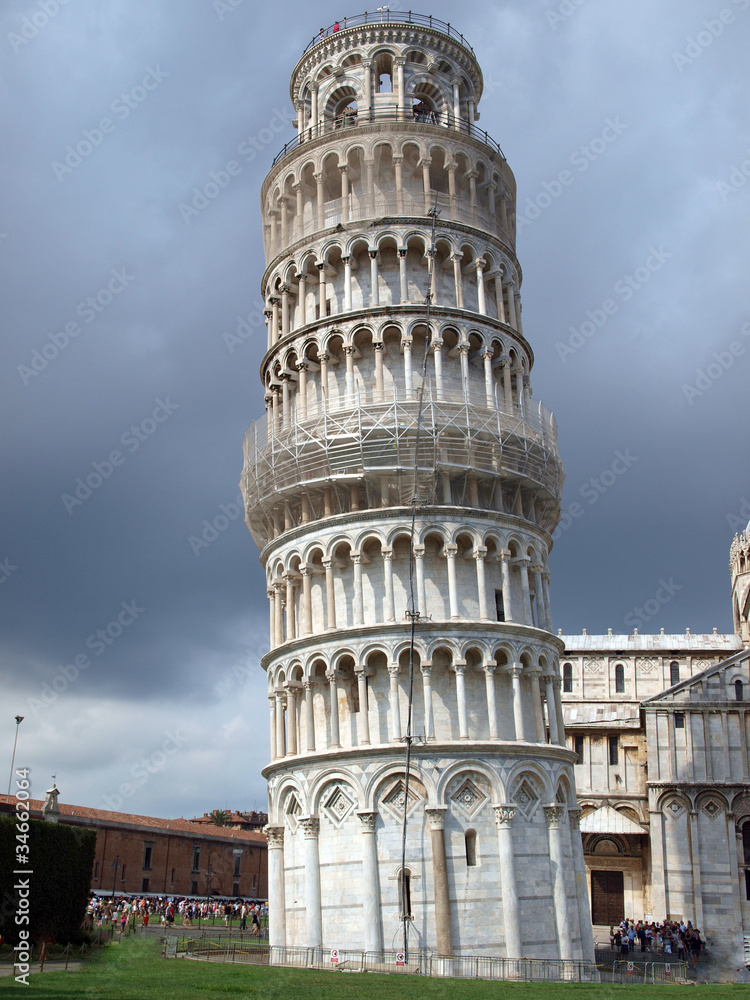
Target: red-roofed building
{"type": "Point", "coordinates": [173, 857]}
{"type": "Point", "coordinates": [234, 820]}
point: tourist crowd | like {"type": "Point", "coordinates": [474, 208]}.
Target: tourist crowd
{"type": "Point", "coordinates": [671, 937]}
{"type": "Point", "coordinates": [129, 913]}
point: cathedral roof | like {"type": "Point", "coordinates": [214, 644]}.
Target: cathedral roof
{"type": "Point", "coordinates": [605, 819]}
{"type": "Point", "coordinates": [667, 642]}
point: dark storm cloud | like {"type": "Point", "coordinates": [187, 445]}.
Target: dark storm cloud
{"type": "Point", "coordinates": [122, 277]}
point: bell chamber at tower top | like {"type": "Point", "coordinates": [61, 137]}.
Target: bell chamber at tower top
{"type": "Point", "coordinates": [386, 115]}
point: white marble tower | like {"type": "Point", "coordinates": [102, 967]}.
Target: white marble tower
{"type": "Point", "coordinates": [387, 132]}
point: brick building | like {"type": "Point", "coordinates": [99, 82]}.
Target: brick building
{"type": "Point", "coordinates": [177, 857]}
{"type": "Point", "coordinates": [234, 820]}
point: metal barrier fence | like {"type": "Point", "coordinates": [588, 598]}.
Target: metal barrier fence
{"type": "Point", "coordinates": [416, 963]}
{"type": "Point", "coordinates": [625, 971]}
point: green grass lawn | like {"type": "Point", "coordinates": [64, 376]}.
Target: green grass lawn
{"type": "Point", "coordinates": [134, 970]}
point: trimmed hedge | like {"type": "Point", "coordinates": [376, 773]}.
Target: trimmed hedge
{"type": "Point", "coordinates": [59, 874]}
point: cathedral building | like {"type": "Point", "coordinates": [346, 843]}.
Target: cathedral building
{"type": "Point", "coordinates": [402, 488]}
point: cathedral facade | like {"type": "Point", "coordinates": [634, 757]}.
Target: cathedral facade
{"type": "Point", "coordinates": [403, 488]}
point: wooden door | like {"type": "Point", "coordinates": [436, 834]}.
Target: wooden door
{"type": "Point", "coordinates": [607, 898]}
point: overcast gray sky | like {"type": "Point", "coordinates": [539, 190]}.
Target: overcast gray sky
{"type": "Point", "coordinates": [645, 237]}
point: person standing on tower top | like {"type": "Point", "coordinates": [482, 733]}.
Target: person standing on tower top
{"type": "Point", "coordinates": [337, 26]}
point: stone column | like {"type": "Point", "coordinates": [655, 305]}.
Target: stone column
{"type": "Point", "coordinates": [390, 611]}
{"type": "Point", "coordinates": [733, 867]}
{"type": "Point", "coordinates": [515, 673]}
{"type": "Point", "coordinates": [523, 573]}
{"type": "Point", "coordinates": [370, 883]}
{"type": "Point", "coordinates": [364, 708]}
{"type": "Point", "coordinates": [330, 595]}
{"type": "Point", "coordinates": [658, 885]}
{"type": "Point", "coordinates": [511, 305]}
{"type": "Point", "coordinates": [489, 683]}
{"type": "Point", "coordinates": [554, 816]}
{"type": "Point", "coordinates": [456, 99]}
{"type": "Point", "coordinates": [480, 556]}
{"type": "Point", "coordinates": [458, 280]}
{"type": "Point", "coordinates": [394, 702]}
{"type": "Point", "coordinates": [306, 599]}
{"type": "Point", "coordinates": [267, 314]}
{"type": "Point", "coordinates": [367, 103]}
{"type": "Point", "coordinates": [280, 727]}
{"type": "Point", "coordinates": [426, 161]}
{"type": "Point", "coordinates": [451, 168]}
{"type": "Point", "coordinates": [278, 615]}
{"type": "Point", "coordinates": [559, 710]}
{"type": "Point", "coordinates": [536, 694]}
{"type": "Point", "coordinates": [489, 386]}
{"type": "Point", "coordinates": [323, 359]}
{"type": "Point", "coordinates": [309, 716]}
{"type": "Point", "coordinates": [291, 719]}
{"type": "Point", "coordinates": [314, 110]}
{"type": "Point", "coordinates": [519, 310]}
{"type": "Point", "coordinates": [437, 357]}
{"type": "Point", "coordinates": [545, 599]}
{"type": "Point", "coordinates": [334, 693]}
{"type": "Point", "coordinates": [404, 289]}
{"type": "Point", "coordinates": [347, 283]}
{"type": "Point", "coordinates": [549, 684]}
{"type": "Point", "coordinates": [505, 556]}
{"type": "Point", "coordinates": [421, 593]}
{"type": "Point", "coordinates": [429, 725]}
{"type": "Point", "coordinates": [272, 707]}
{"type": "Point", "coordinates": [481, 302]}
{"type": "Point", "coordinates": [491, 194]}
{"type": "Point", "coordinates": [374, 286]}
{"type": "Point", "coordinates": [696, 866]}
{"type": "Point", "coordinates": [290, 623]}
{"type": "Point", "coordinates": [320, 204]}
{"type": "Point", "coordinates": [463, 351]}
{"type": "Point", "coordinates": [408, 384]}
{"type": "Point", "coordinates": [272, 616]}
{"type": "Point", "coordinates": [499, 296]}
{"type": "Point", "coordinates": [370, 188]}
{"type": "Point", "coordinates": [274, 320]}
{"type": "Point", "coordinates": [302, 390]}
{"type": "Point", "coordinates": [285, 325]}
{"type": "Point", "coordinates": [378, 351]}
{"type": "Point", "coordinates": [472, 175]}
{"type": "Point", "coordinates": [284, 213]}
{"type": "Point", "coordinates": [344, 169]}
{"type": "Point", "coordinates": [323, 294]}
{"type": "Point", "coordinates": [430, 257]}
{"type": "Point", "coordinates": [349, 377]}
{"type": "Point", "coordinates": [463, 729]}
{"type": "Point", "coordinates": [443, 924]}
{"type": "Point", "coordinates": [400, 94]}
{"type": "Point", "coordinates": [504, 815]}
{"type": "Point", "coordinates": [450, 555]}
{"type": "Point", "coordinates": [507, 388]}
{"type": "Point", "coordinates": [582, 889]}
{"type": "Point", "coordinates": [398, 169]}
{"type": "Point", "coordinates": [359, 616]}
{"type": "Point", "coordinates": [313, 914]}
{"type": "Point", "coordinates": [276, 894]}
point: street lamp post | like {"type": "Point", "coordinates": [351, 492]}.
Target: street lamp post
{"type": "Point", "coordinates": [19, 720]}
{"type": "Point", "coordinates": [115, 865]}
{"type": "Point", "coordinates": [209, 876]}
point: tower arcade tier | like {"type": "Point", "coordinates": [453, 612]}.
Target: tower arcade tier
{"type": "Point", "coordinates": [391, 194]}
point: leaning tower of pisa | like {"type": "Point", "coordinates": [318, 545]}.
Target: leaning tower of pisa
{"type": "Point", "coordinates": [392, 294]}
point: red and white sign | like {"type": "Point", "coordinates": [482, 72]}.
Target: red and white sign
{"type": "Point", "coordinates": [667, 970]}
{"type": "Point", "coordinates": [334, 956]}
{"type": "Point", "coordinates": [630, 968]}
{"type": "Point", "coordinates": [400, 958]}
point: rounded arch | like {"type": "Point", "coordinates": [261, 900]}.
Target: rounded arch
{"type": "Point", "coordinates": [468, 766]}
